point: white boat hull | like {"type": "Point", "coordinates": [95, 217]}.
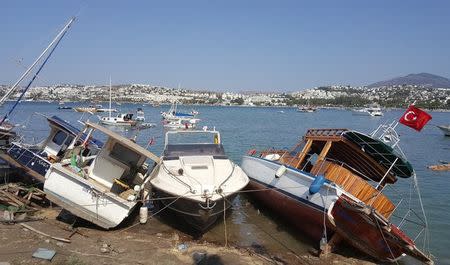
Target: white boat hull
{"type": "Point", "coordinates": [293, 182]}
{"type": "Point", "coordinates": [85, 199]}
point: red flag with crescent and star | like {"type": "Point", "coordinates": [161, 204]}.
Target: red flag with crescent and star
{"type": "Point", "coordinates": [415, 118]}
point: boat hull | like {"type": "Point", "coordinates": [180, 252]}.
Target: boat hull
{"type": "Point", "coordinates": [366, 231]}
{"type": "Point", "coordinates": [445, 129]}
{"type": "Point", "coordinates": [193, 212]}
{"type": "Point", "coordinates": [289, 196]}
{"type": "Point", "coordinates": [85, 200]}
{"type": "Point", "coordinates": [361, 227]}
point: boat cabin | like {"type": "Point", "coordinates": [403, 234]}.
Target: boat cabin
{"type": "Point", "coordinates": [36, 159]}
{"type": "Point", "coordinates": [118, 163]}
{"type": "Point", "coordinates": [359, 164]}
{"type": "Point", "coordinates": [193, 143]}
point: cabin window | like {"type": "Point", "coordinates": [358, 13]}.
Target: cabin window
{"type": "Point", "coordinates": [59, 138]}
{"type": "Point", "coordinates": [124, 155]}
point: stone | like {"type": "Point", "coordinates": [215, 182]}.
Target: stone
{"type": "Point", "coordinates": [198, 257]}
{"type": "Point", "coordinates": [60, 244]}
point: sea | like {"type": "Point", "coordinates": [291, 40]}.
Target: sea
{"type": "Point", "coordinates": [245, 128]}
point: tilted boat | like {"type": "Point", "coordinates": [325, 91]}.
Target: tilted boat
{"type": "Point", "coordinates": [103, 189]}
{"type": "Point", "coordinates": [36, 159]}
{"type": "Point", "coordinates": [445, 129]}
{"type": "Point", "coordinates": [332, 187]}
{"type": "Point", "coordinates": [196, 180]}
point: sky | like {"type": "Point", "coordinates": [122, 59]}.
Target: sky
{"type": "Point", "coordinates": [227, 45]}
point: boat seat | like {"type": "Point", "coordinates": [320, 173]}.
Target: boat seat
{"type": "Point", "coordinates": [356, 186]}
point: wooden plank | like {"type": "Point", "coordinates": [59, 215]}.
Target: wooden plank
{"type": "Point", "coordinates": [304, 152]}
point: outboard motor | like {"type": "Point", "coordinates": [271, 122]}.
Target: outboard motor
{"type": "Point", "coordinates": [317, 184]}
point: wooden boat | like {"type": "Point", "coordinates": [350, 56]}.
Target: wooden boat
{"type": "Point", "coordinates": [90, 109]}
{"type": "Point", "coordinates": [445, 129]}
{"type": "Point", "coordinates": [441, 167]}
{"type": "Point", "coordinates": [196, 181]}
{"type": "Point", "coordinates": [105, 188]}
{"type": "Point", "coordinates": [330, 186]}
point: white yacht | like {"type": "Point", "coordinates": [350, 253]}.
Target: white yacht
{"type": "Point", "coordinates": [195, 179]}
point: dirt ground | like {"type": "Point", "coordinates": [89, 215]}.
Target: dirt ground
{"type": "Point", "coordinates": [152, 243]}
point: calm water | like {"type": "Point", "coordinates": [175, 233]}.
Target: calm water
{"type": "Point", "coordinates": [248, 128]}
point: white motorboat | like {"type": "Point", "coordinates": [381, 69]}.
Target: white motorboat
{"type": "Point", "coordinates": [374, 111]}
{"type": "Point", "coordinates": [36, 159]}
{"type": "Point", "coordinates": [103, 189]}
{"type": "Point", "coordinates": [140, 115]}
{"type": "Point", "coordinates": [196, 180]}
{"type": "Point", "coordinates": [174, 114]}
{"type": "Point", "coordinates": [121, 119]}
{"type": "Point", "coordinates": [445, 129]}
{"type": "Point", "coordinates": [181, 123]}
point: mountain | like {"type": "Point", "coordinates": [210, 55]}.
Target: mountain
{"type": "Point", "coordinates": [422, 79]}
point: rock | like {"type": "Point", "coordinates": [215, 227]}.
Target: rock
{"type": "Point", "coordinates": [104, 250]}
{"type": "Point", "coordinates": [198, 257]}
{"type": "Point", "coordinates": [175, 237]}
{"type": "Point", "coordinates": [120, 250]}
{"type": "Point", "coordinates": [24, 229]}
{"type": "Point", "coordinates": [159, 234]}
{"type": "Point", "coordinates": [182, 247]}
{"type": "Point", "coordinates": [60, 244]}
{"type": "Point", "coordinates": [47, 241]}
{"type": "Point", "coordinates": [104, 245]}
{"type": "Point", "coordinates": [4, 263]}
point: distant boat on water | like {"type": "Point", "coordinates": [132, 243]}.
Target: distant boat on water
{"type": "Point", "coordinates": [445, 129]}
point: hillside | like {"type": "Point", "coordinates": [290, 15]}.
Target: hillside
{"type": "Point", "coordinates": [422, 79]}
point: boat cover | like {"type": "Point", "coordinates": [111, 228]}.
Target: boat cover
{"type": "Point", "coordinates": [381, 152]}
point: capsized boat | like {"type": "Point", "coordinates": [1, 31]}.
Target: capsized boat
{"type": "Point", "coordinates": [103, 189]}
{"type": "Point", "coordinates": [445, 129]}
{"type": "Point", "coordinates": [332, 185]}
{"type": "Point", "coordinates": [36, 159]}
{"type": "Point", "coordinates": [195, 178]}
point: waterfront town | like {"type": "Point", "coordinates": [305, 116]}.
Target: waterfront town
{"type": "Point", "coordinates": [332, 96]}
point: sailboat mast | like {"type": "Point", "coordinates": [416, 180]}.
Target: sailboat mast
{"type": "Point", "coordinates": [11, 90]}
{"type": "Point", "coordinates": [110, 96]}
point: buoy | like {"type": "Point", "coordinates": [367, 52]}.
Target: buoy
{"type": "Point", "coordinates": [143, 214]}
{"type": "Point", "coordinates": [316, 184]}
{"type": "Point", "coordinates": [280, 172]}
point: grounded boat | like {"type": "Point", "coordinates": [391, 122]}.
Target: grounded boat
{"type": "Point", "coordinates": [105, 188]}
{"type": "Point", "coordinates": [36, 159]}
{"type": "Point", "coordinates": [445, 129]}
{"type": "Point", "coordinates": [330, 186]}
{"type": "Point", "coordinates": [197, 181]}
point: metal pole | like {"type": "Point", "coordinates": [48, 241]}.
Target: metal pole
{"type": "Point", "coordinates": [11, 90]}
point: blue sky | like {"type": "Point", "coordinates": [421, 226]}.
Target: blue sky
{"type": "Point", "coordinates": [227, 45]}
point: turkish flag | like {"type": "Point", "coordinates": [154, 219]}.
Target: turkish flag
{"type": "Point", "coordinates": [415, 118]}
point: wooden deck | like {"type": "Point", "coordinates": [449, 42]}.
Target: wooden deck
{"type": "Point", "coordinates": [356, 186]}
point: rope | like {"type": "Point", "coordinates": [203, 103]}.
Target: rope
{"type": "Point", "coordinates": [385, 241]}
{"type": "Point", "coordinates": [151, 216]}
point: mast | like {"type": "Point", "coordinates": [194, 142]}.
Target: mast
{"type": "Point", "coordinates": [109, 96]}
{"type": "Point", "coordinates": [60, 34]}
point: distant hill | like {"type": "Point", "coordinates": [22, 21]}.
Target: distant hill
{"type": "Point", "coordinates": [422, 79]}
